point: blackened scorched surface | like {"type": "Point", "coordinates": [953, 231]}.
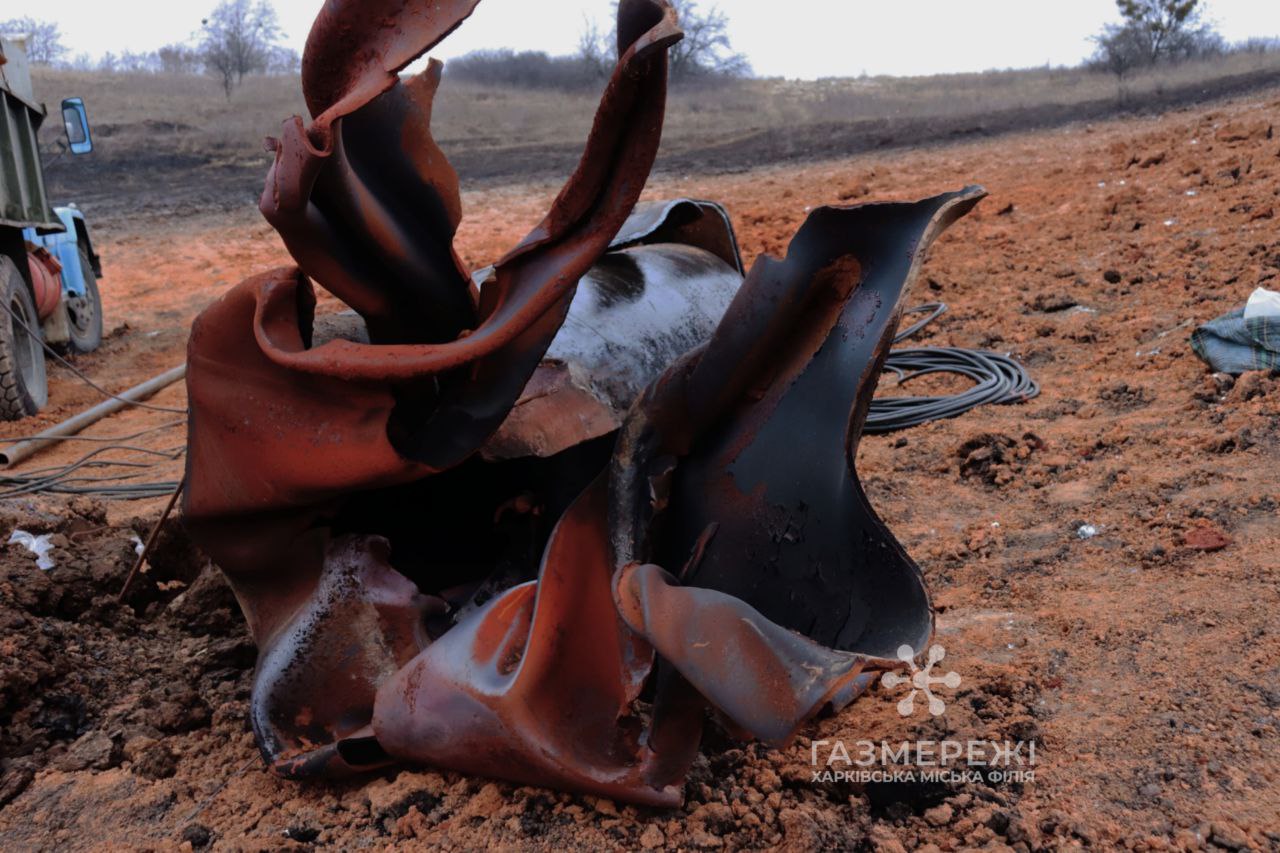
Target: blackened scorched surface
{"type": "Point", "coordinates": [474, 523]}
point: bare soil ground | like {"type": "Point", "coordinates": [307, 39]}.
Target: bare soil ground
{"type": "Point", "coordinates": [1144, 662]}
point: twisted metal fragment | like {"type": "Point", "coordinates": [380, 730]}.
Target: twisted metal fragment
{"type": "Point", "coordinates": [533, 522]}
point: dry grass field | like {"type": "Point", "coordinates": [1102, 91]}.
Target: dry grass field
{"type": "Point", "coordinates": [175, 146]}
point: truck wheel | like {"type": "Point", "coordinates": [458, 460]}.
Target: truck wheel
{"type": "Point", "coordinates": [84, 313]}
{"type": "Point", "coordinates": [23, 385]}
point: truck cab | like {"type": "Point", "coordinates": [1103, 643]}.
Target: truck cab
{"type": "Point", "coordinates": [49, 270]}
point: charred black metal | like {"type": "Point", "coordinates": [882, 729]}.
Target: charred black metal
{"type": "Point", "coordinates": [473, 519]}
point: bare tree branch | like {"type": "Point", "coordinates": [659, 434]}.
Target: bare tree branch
{"type": "Point", "coordinates": [44, 39]}
{"type": "Point", "coordinates": [239, 38]}
{"type": "Point", "coordinates": [705, 51]}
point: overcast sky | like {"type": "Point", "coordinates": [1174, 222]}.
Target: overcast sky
{"type": "Point", "coordinates": [797, 38]}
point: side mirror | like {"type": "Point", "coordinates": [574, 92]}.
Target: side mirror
{"type": "Point", "coordinates": [76, 120]}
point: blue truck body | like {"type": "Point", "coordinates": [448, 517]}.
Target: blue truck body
{"type": "Point", "coordinates": [65, 247]}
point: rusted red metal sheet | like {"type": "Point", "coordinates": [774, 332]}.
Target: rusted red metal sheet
{"type": "Point", "coordinates": [534, 522]}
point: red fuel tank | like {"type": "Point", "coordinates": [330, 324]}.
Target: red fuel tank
{"type": "Point", "coordinates": [46, 280]}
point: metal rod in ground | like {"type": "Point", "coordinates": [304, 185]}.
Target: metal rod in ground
{"type": "Point", "coordinates": [26, 449]}
{"type": "Point", "coordinates": [151, 540]}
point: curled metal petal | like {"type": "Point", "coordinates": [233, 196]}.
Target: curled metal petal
{"type": "Point", "coordinates": [535, 521]}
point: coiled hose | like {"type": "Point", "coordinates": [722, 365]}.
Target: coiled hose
{"type": "Point", "coordinates": [999, 380]}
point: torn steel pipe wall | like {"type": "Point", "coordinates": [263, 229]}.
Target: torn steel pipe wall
{"type": "Point", "coordinates": [533, 522]}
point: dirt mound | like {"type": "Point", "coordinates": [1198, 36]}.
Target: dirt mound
{"type": "Point", "coordinates": [89, 682]}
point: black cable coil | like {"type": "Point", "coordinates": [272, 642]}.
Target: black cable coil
{"type": "Point", "coordinates": [999, 380]}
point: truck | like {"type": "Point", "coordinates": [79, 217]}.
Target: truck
{"type": "Point", "coordinates": [49, 270]}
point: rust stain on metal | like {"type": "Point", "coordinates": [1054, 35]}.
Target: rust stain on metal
{"type": "Point", "coordinates": [532, 522]}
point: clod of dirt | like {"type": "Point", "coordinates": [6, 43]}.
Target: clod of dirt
{"type": "Point", "coordinates": [423, 802]}
{"type": "Point", "coordinates": [93, 683]}
{"type": "Point", "coordinates": [1079, 326]}
{"type": "Point", "coordinates": [1240, 440]}
{"type": "Point", "coordinates": [93, 751]}
{"type": "Point", "coordinates": [939, 815]}
{"type": "Point", "coordinates": [1254, 385]}
{"type": "Point", "coordinates": [1149, 159]}
{"type": "Point", "coordinates": [1123, 397]}
{"type": "Point", "coordinates": [882, 840]}
{"type": "Point", "coordinates": [174, 562]}
{"type": "Point", "coordinates": [1214, 388]}
{"type": "Point", "coordinates": [14, 780]}
{"type": "Point", "coordinates": [198, 836]}
{"type": "Point", "coordinates": [854, 192]}
{"type": "Point", "coordinates": [996, 459]}
{"type": "Point", "coordinates": [207, 606]}
{"type": "Point", "coordinates": [1242, 131]}
{"type": "Point", "coordinates": [154, 760]}
{"type": "Point", "coordinates": [1230, 837]}
{"type": "Point", "coordinates": [1206, 538]}
{"type": "Point", "coordinates": [652, 838]}
{"type": "Point", "coordinates": [1052, 303]}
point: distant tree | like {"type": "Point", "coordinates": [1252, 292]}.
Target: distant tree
{"type": "Point", "coordinates": [283, 60]}
{"type": "Point", "coordinates": [1121, 51]}
{"type": "Point", "coordinates": [705, 51]}
{"type": "Point", "coordinates": [1160, 23]}
{"type": "Point", "coordinates": [1196, 43]}
{"type": "Point", "coordinates": [596, 50]}
{"type": "Point", "coordinates": [138, 62]}
{"type": "Point", "coordinates": [1154, 31]}
{"type": "Point", "coordinates": [1259, 45]}
{"type": "Point", "coordinates": [179, 59]}
{"type": "Point", "coordinates": [238, 39]}
{"type": "Point", "coordinates": [80, 62]}
{"type": "Point", "coordinates": [530, 69]}
{"type": "Point", "coordinates": [44, 39]}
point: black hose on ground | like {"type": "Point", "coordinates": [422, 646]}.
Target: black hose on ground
{"type": "Point", "coordinates": [998, 380]}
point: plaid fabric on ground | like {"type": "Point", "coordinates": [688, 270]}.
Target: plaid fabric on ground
{"type": "Point", "coordinates": [1231, 344]}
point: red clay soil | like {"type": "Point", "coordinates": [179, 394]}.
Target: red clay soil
{"type": "Point", "coordinates": [1143, 662]}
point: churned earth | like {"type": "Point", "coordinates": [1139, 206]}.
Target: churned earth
{"type": "Point", "coordinates": [1105, 560]}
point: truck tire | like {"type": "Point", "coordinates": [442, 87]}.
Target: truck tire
{"type": "Point", "coordinates": [84, 313]}
{"type": "Point", "coordinates": [23, 384]}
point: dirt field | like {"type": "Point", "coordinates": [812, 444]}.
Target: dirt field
{"type": "Point", "coordinates": [1143, 662]}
